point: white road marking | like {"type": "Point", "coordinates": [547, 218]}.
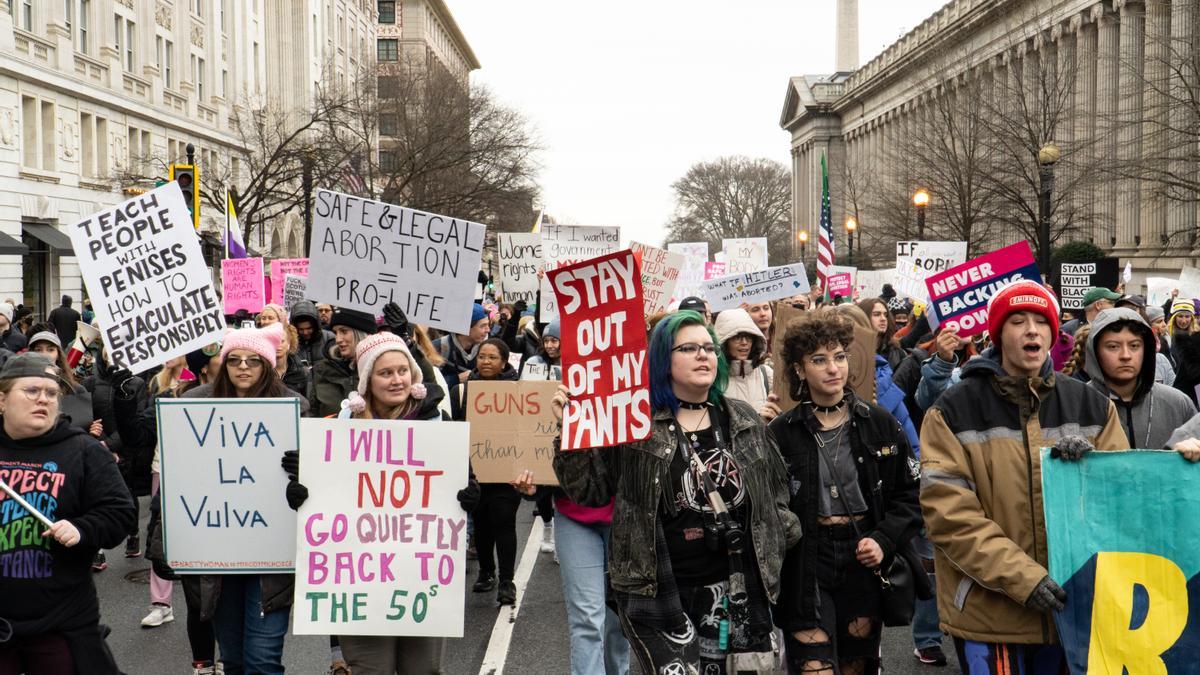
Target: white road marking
{"type": "Point", "coordinates": [497, 651]}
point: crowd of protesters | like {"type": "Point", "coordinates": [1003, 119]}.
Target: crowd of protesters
{"type": "Point", "coordinates": [683, 552]}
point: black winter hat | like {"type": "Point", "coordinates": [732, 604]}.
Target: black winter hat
{"type": "Point", "coordinates": [350, 318]}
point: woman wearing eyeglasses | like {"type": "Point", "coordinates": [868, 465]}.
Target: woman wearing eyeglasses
{"type": "Point", "coordinates": [854, 485]}
{"type": "Point", "coordinates": [700, 523]}
{"type": "Point", "coordinates": [249, 611]}
{"type": "Point", "coordinates": [70, 479]}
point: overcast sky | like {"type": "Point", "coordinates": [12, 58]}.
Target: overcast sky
{"type": "Point", "coordinates": [627, 95]}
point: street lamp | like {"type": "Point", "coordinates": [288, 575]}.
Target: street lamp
{"type": "Point", "coordinates": [851, 227]}
{"type": "Point", "coordinates": [1047, 157]}
{"type": "Point", "coordinates": [803, 237]}
{"type": "Point", "coordinates": [921, 201]}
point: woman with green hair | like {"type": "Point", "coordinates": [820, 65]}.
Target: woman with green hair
{"type": "Point", "coordinates": [701, 520]}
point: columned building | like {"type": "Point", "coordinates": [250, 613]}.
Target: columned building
{"type": "Point", "coordinates": [1105, 81]}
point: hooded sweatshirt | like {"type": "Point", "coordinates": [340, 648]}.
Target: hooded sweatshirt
{"type": "Point", "coordinates": [315, 348]}
{"type": "Point", "coordinates": [749, 379]}
{"type": "Point", "coordinates": [1155, 410]}
{"type": "Point", "coordinates": [67, 475]}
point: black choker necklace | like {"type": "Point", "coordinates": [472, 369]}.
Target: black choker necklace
{"type": "Point", "coordinates": [829, 408]}
{"type": "Point", "coordinates": [688, 405]}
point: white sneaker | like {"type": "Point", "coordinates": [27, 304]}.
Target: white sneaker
{"type": "Point", "coordinates": [548, 537]}
{"type": "Point", "coordinates": [159, 614]}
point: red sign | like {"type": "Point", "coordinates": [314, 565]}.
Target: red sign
{"type": "Point", "coordinates": [603, 351]}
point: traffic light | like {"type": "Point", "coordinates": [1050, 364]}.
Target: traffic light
{"type": "Point", "coordinates": [188, 177]}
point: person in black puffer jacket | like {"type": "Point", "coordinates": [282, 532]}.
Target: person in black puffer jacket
{"type": "Point", "coordinates": [49, 596]}
{"type": "Point", "coordinates": [314, 341]}
{"type": "Point", "coordinates": [133, 460]}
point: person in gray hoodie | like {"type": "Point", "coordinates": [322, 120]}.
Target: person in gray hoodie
{"type": "Point", "coordinates": [314, 340]}
{"type": "Point", "coordinates": [1116, 361]}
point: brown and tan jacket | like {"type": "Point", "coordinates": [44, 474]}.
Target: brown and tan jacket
{"type": "Point", "coordinates": [981, 492]}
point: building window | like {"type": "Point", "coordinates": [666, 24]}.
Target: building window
{"type": "Point", "coordinates": [198, 7]}
{"type": "Point", "coordinates": [27, 14]}
{"type": "Point", "coordinates": [166, 55]}
{"type": "Point", "coordinates": [224, 83]}
{"type": "Point", "coordinates": [224, 16]}
{"type": "Point", "coordinates": [388, 50]}
{"type": "Point", "coordinates": [84, 25]}
{"type": "Point", "coordinates": [257, 77]}
{"type": "Point", "coordinates": [387, 86]}
{"type": "Point", "coordinates": [93, 153]}
{"type": "Point", "coordinates": [124, 32]}
{"type": "Point", "coordinates": [387, 161]}
{"type": "Point", "coordinates": [387, 125]}
{"type": "Point", "coordinates": [200, 79]}
{"type": "Point", "coordinates": [78, 19]}
{"type": "Point", "coordinates": [387, 11]}
{"type": "Point", "coordinates": [37, 133]}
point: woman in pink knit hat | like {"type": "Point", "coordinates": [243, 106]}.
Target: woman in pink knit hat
{"type": "Point", "coordinates": [250, 641]}
{"type": "Point", "coordinates": [391, 387]}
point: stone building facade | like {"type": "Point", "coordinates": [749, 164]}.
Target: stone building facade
{"type": "Point", "coordinates": [1119, 54]}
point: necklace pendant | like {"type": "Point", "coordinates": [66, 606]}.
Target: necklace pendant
{"type": "Point", "coordinates": [833, 491]}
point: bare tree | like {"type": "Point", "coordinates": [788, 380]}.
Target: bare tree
{"type": "Point", "coordinates": [446, 146]}
{"type": "Point", "coordinates": [734, 197]}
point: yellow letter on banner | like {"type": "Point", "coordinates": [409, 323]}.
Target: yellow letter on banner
{"type": "Point", "coordinates": [1113, 645]}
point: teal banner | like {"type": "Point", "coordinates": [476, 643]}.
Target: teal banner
{"type": "Point", "coordinates": [1124, 538]}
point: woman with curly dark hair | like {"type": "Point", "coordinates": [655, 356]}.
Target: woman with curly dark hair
{"type": "Point", "coordinates": [854, 488]}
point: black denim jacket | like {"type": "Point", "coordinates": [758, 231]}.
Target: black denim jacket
{"type": "Point", "coordinates": [633, 475]}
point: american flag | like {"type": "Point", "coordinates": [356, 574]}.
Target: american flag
{"type": "Point", "coordinates": [825, 236]}
{"type": "Point", "coordinates": [350, 178]}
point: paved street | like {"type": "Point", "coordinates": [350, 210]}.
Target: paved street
{"type": "Point", "coordinates": [539, 639]}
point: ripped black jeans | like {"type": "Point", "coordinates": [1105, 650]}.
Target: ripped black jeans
{"type": "Point", "coordinates": [848, 593]}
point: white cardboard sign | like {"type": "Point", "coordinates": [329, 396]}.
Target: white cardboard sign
{"type": "Point", "coordinates": [145, 274]}
{"type": "Point", "coordinates": [520, 257]}
{"type": "Point", "coordinates": [660, 273]}
{"type": "Point", "coordinates": [745, 255]}
{"type": "Point", "coordinates": [366, 254]}
{"type": "Point", "coordinates": [224, 508]}
{"type": "Point", "coordinates": [381, 540]}
{"type": "Point", "coordinates": [691, 275]}
{"type": "Point", "coordinates": [773, 283]}
{"type": "Point", "coordinates": [918, 260]}
{"type": "Point", "coordinates": [564, 245]}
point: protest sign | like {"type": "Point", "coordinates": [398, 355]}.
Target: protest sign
{"type": "Point", "coordinates": [222, 490]}
{"type": "Point", "coordinates": [917, 260]}
{"type": "Point", "coordinates": [870, 282]}
{"type": "Point", "coordinates": [294, 290]}
{"type": "Point", "coordinates": [713, 270]}
{"type": "Point", "coordinates": [243, 285]}
{"type": "Point", "coordinates": [861, 354]}
{"type": "Point", "coordinates": [381, 540]}
{"type": "Point", "coordinates": [1130, 565]}
{"type": "Point", "coordinates": [145, 274]}
{"type": "Point", "coordinates": [660, 273]}
{"type": "Point", "coordinates": [564, 245]}
{"type": "Point", "coordinates": [695, 256]}
{"type": "Point", "coordinates": [603, 352]}
{"type": "Point", "coordinates": [772, 283]}
{"type": "Point", "coordinates": [745, 255]}
{"type": "Point", "coordinates": [366, 254]}
{"type": "Point", "coordinates": [1189, 283]}
{"type": "Point", "coordinates": [1072, 280]}
{"type": "Point", "coordinates": [512, 429]}
{"type": "Point", "coordinates": [541, 371]}
{"type": "Point", "coordinates": [520, 257]}
{"type": "Point", "coordinates": [959, 296]}
{"type": "Point", "coordinates": [280, 268]}
{"type": "Point", "coordinates": [1158, 290]}
{"type": "Point", "coordinates": [840, 285]}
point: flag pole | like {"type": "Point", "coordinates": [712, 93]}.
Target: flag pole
{"type": "Point", "coordinates": [228, 205]}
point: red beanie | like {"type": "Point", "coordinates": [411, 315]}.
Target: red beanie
{"type": "Point", "coordinates": [1022, 296]}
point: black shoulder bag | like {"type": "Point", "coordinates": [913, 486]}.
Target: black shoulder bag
{"type": "Point", "coordinates": [897, 585]}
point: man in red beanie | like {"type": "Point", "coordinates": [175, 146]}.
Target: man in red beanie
{"type": "Point", "coordinates": [981, 485]}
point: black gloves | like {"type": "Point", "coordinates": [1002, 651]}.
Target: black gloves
{"type": "Point", "coordinates": [1071, 448]}
{"type": "Point", "coordinates": [396, 321]}
{"type": "Point", "coordinates": [1047, 597]}
{"type": "Point", "coordinates": [291, 463]}
{"type": "Point", "coordinates": [468, 497]}
{"type": "Point", "coordinates": [296, 493]}
{"type": "Point", "coordinates": [120, 379]}
{"type": "Point", "coordinates": [519, 308]}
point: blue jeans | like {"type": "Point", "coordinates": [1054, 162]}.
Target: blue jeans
{"type": "Point", "coordinates": [597, 645]}
{"type": "Point", "coordinates": [925, 630]}
{"type": "Point", "coordinates": [250, 641]}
